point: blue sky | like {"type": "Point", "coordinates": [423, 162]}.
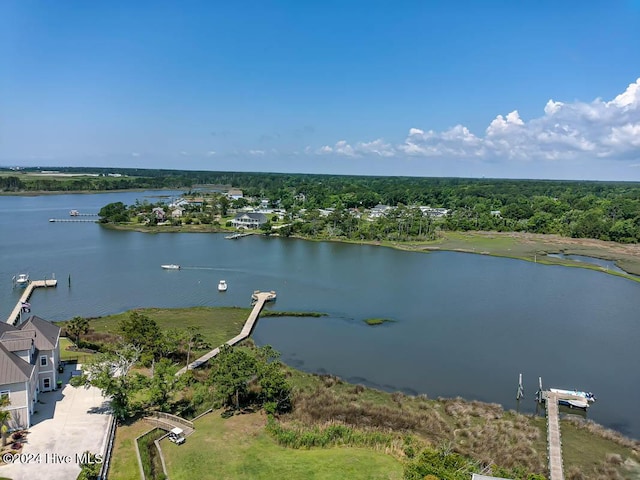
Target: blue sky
{"type": "Point", "coordinates": [528, 89]}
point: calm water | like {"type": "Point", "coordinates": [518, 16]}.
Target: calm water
{"type": "Point", "coordinates": [607, 264]}
{"type": "Point", "coordinates": [464, 324]}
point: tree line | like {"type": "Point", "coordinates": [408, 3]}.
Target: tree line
{"type": "Point", "coordinates": [580, 209]}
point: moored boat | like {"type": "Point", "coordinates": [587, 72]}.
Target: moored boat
{"type": "Point", "coordinates": [22, 280]}
{"type": "Point", "coordinates": [171, 266]}
{"type": "Point", "coordinates": [222, 286]}
{"type": "Point", "coordinates": [588, 396]}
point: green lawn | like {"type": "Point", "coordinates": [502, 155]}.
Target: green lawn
{"type": "Point", "coordinates": [69, 355]}
{"type": "Point", "coordinates": [239, 447]}
{"type": "Point", "coordinates": [124, 463]}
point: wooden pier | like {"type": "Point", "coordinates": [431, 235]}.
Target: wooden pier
{"type": "Point", "coordinates": [15, 314]}
{"type": "Point", "coordinates": [261, 299]}
{"type": "Point", "coordinates": [237, 235]}
{"type": "Point", "coordinates": [73, 220]}
{"type": "Point", "coordinates": [554, 442]}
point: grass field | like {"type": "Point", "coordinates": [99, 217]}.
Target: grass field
{"type": "Point", "coordinates": [239, 447]}
{"type": "Point", "coordinates": [124, 463]}
{"type": "Point", "coordinates": [531, 247]}
{"type": "Point", "coordinates": [217, 324]}
{"type": "Point", "coordinates": [69, 355]}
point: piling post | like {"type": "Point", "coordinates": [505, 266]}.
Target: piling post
{"type": "Point", "coordinates": [520, 392]}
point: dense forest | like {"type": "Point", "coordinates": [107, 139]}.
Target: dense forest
{"type": "Point", "coordinates": [582, 209]}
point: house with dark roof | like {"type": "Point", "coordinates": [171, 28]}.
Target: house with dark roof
{"type": "Point", "coordinates": [249, 220]}
{"type": "Point", "coordinates": [29, 358]}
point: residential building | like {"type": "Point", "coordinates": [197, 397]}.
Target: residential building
{"type": "Point", "coordinates": [234, 194]}
{"type": "Point", "coordinates": [249, 220]}
{"type": "Point", "coordinates": [29, 359]}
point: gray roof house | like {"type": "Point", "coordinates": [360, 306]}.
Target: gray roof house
{"type": "Point", "coordinates": [249, 220]}
{"type": "Point", "coordinates": [29, 358]}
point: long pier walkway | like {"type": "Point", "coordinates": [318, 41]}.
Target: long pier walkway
{"type": "Point", "coordinates": [15, 314]}
{"type": "Point", "coordinates": [260, 299]}
{"type": "Point", "coordinates": [554, 443]}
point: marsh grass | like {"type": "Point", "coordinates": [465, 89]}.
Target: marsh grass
{"type": "Point", "coordinates": [484, 432]}
{"type": "Point", "coordinates": [377, 321]}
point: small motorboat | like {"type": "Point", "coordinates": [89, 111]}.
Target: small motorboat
{"type": "Point", "coordinates": [222, 286]}
{"type": "Point", "coordinates": [171, 266]}
{"type": "Point", "coordinates": [588, 396]}
{"type": "Point", "coordinates": [22, 280]}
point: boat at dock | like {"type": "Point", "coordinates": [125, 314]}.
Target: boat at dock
{"type": "Point", "coordinates": [222, 286]}
{"type": "Point", "coordinates": [588, 396]}
{"type": "Point", "coordinates": [22, 279]}
{"type": "Point", "coordinates": [171, 266]}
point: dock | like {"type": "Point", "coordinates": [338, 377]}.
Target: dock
{"type": "Point", "coordinates": [237, 235]}
{"type": "Point", "coordinates": [73, 220]}
{"type": "Point", "coordinates": [260, 299]}
{"type": "Point", "coordinates": [15, 314]}
{"type": "Point", "coordinates": [554, 439]}
{"type": "Point", "coordinates": [554, 442]}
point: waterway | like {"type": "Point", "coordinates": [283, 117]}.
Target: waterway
{"type": "Point", "coordinates": [465, 325]}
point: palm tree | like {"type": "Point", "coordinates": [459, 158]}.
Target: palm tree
{"type": "Point", "coordinates": [5, 416]}
{"type": "Point", "coordinates": [77, 326]}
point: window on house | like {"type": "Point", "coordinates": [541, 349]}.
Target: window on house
{"type": "Point", "coordinates": [43, 360]}
{"type": "Point", "coordinates": [46, 383]}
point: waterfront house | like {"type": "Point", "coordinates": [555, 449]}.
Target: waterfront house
{"type": "Point", "coordinates": [234, 194]}
{"type": "Point", "coordinates": [29, 358]}
{"type": "Point", "coordinates": [249, 220]}
{"type": "Point", "coordinates": [177, 212]}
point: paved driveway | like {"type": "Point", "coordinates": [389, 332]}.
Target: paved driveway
{"type": "Point", "coordinates": [67, 423]}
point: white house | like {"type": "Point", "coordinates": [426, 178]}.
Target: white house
{"type": "Point", "coordinates": [234, 194]}
{"type": "Point", "coordinates": [29, 359]}
{"type": "Point", "coordinates": [249, 220]}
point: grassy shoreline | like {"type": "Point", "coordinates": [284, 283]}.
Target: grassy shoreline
{"type": "Point", "coordinates": [322, 400]}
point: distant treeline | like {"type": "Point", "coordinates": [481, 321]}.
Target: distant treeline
{"type": "Point", "coordinates": [584, 209]}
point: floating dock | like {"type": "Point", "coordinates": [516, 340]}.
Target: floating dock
{"type": "Point", "coordinates": [15, 314]}
{"type": "Point", "coordinates": [261, 299]}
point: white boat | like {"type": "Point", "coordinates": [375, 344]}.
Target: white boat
{"type": "Point", "coordinates": [574, 402]}
{"type": "Point", "coordinates": [171, 266]}
{"type": "Point", "coordinates": [222, 286]}
{"type": "Point", "coordinates": [22, 280]}
{"type": "Point", "coordinates": [588, 396]}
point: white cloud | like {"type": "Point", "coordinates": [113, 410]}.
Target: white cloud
{"type": "Point", "coordinates": [376, 147]}
{"type": "Point", "coordinates": [597, 129]}
{"type": "Point", "coordinates": [135, 154]}
{"type": "Point", "coordinates": [211, 153]}
{"type": "Point", "coordinates": [256, 152]}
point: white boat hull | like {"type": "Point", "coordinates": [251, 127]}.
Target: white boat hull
{"type": "Point", "coordinates": [171, 267]}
